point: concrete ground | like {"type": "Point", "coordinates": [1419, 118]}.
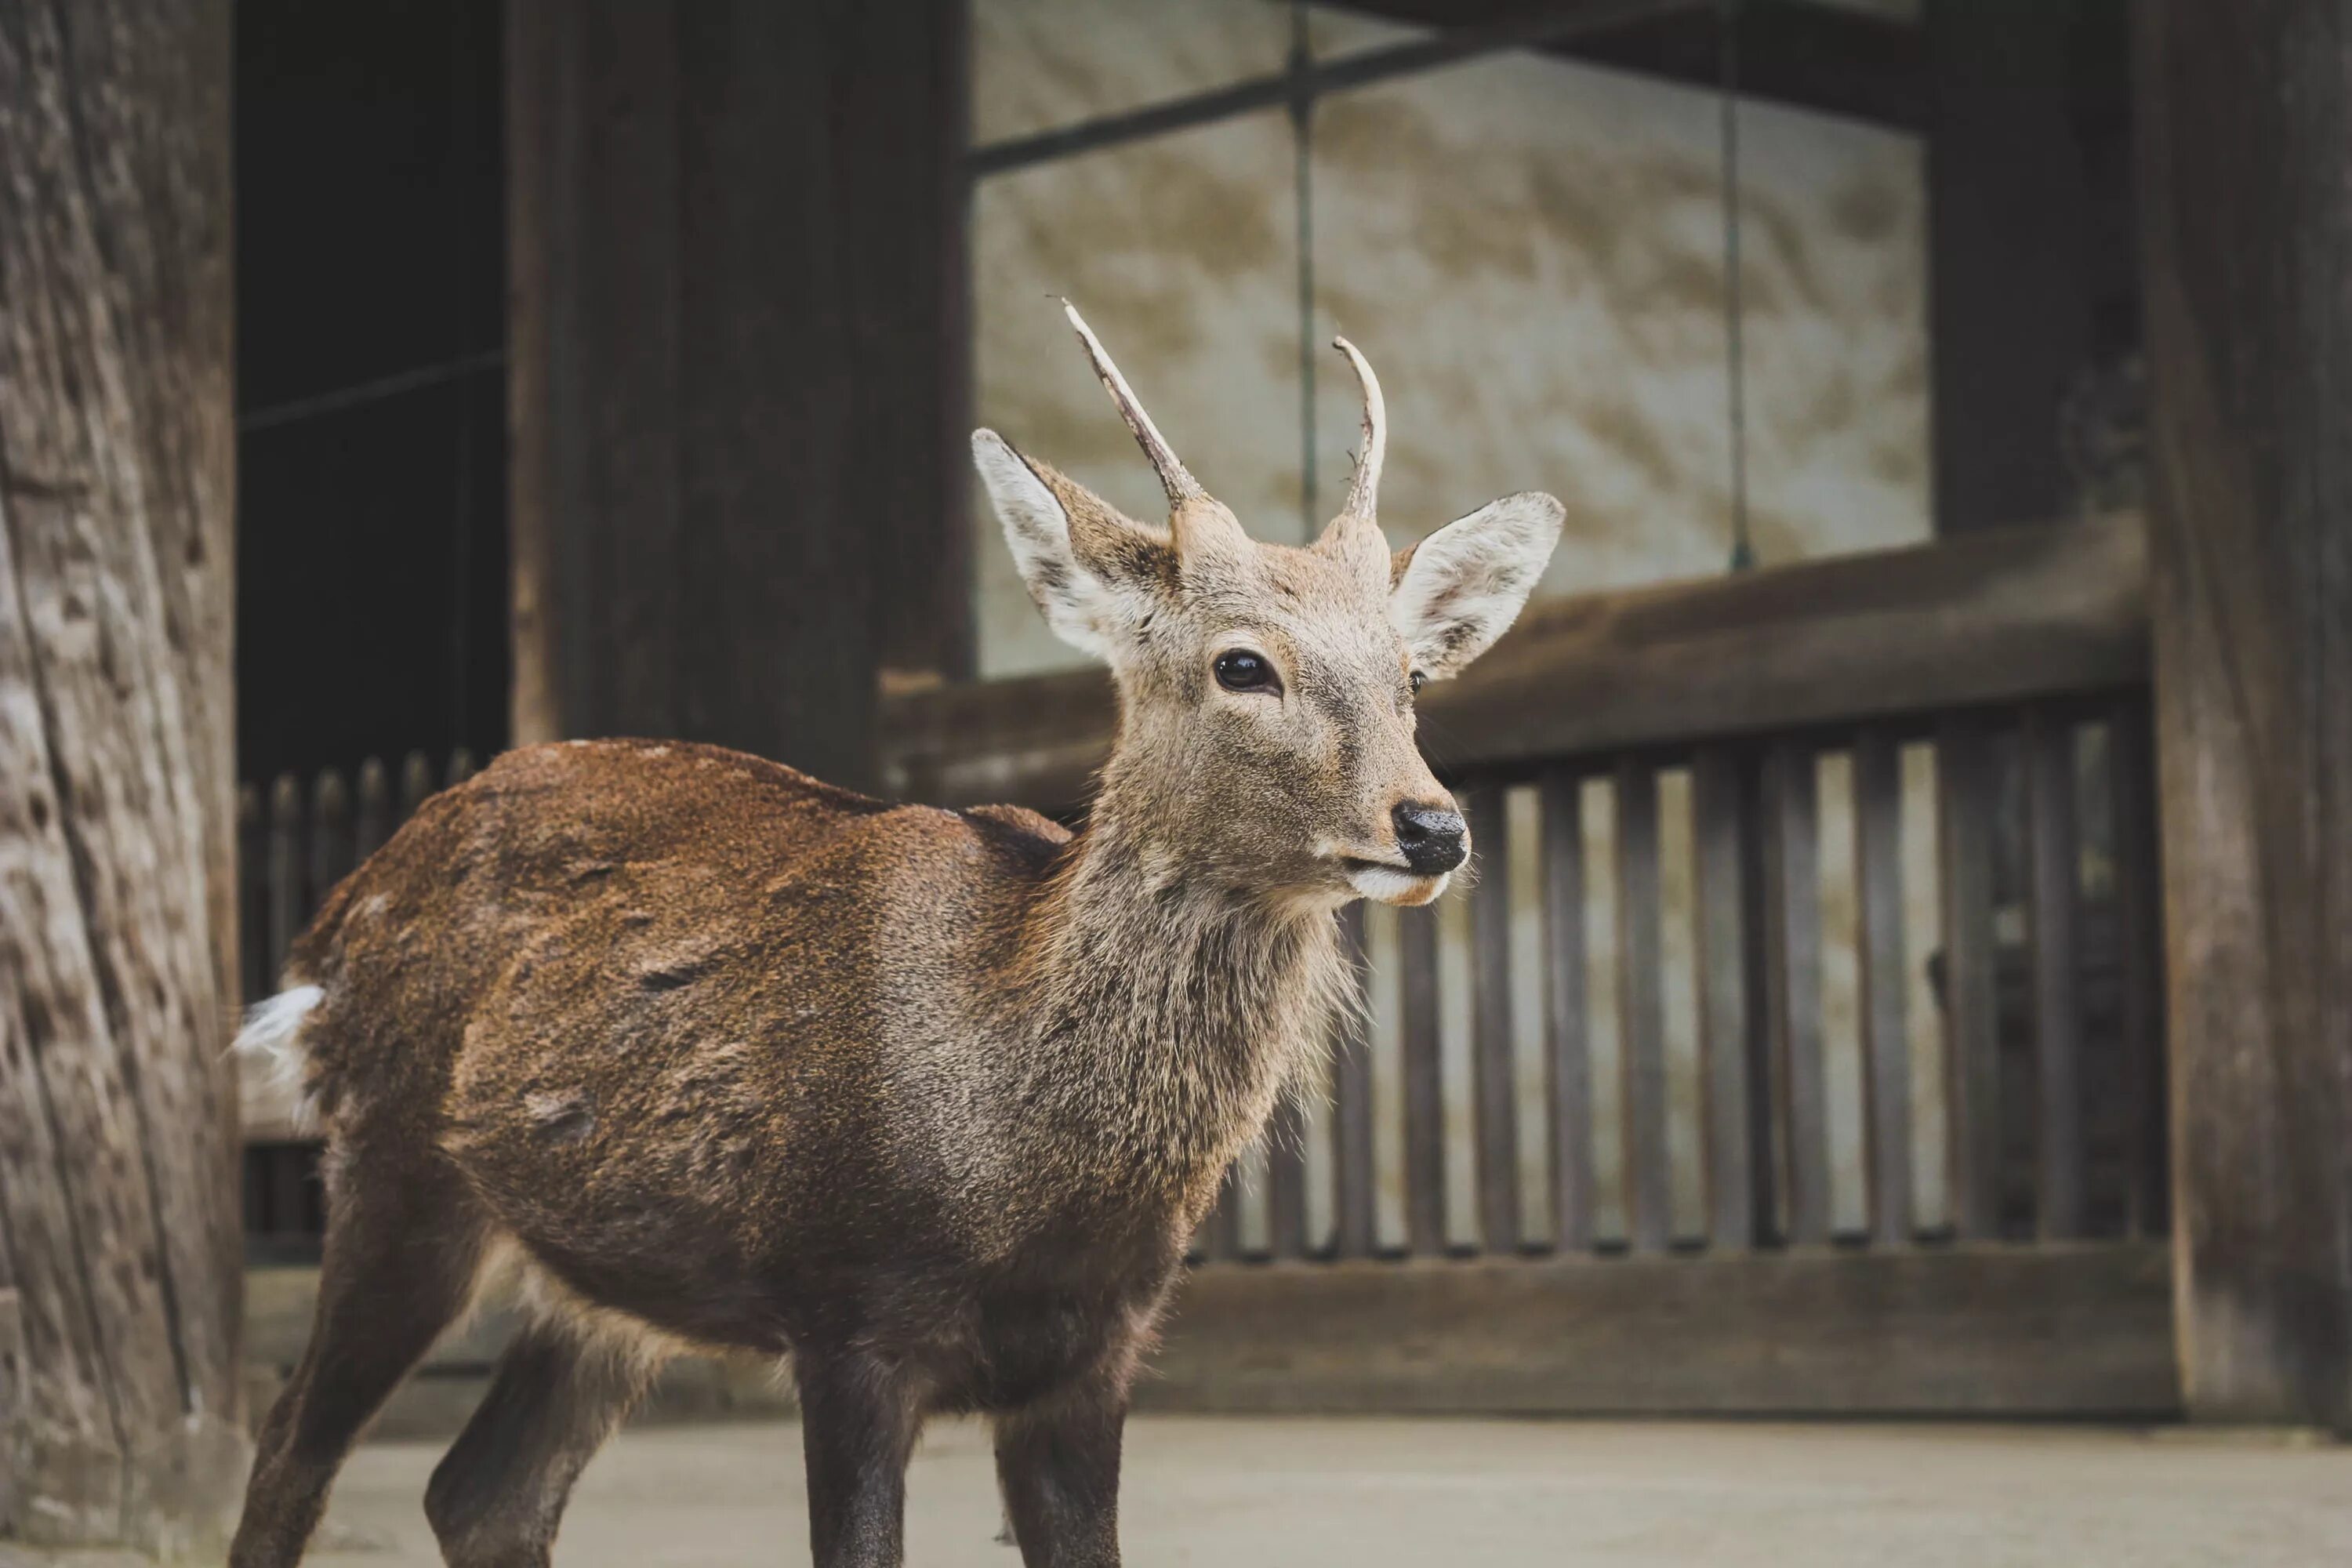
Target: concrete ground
{"type": "Point", "coordinates": [1375, 1493]}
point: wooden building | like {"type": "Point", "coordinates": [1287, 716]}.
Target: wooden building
{"type": "Point", "coordinates": [1903, 981]}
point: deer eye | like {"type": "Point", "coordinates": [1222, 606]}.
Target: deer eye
{"type": "Point", "coordinates": [1241, 671]}
{"type": "Point", "coordinates": [1418, 680]}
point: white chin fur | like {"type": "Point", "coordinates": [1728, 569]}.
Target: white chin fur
{"type": "Point", "coordinates": [1382, 885]}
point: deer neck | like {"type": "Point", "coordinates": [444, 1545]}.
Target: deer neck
{"type": "Point", "coordinates": [1166, 1015]}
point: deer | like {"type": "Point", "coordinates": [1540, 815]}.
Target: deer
{"type": "Point", "coordinates": [925, 1105]}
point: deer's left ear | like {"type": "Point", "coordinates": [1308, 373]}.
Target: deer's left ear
{"type": "Point", "coordinates": [1459, 589]}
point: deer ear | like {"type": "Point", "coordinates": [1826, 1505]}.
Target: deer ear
{"type": "Point", "coordinates": [1088, 568]}
{"type": "Point", "coordinates": [1462, 587]}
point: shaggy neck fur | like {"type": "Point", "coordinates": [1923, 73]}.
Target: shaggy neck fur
{"type": "Point", "coordinates": [1170, 1014]}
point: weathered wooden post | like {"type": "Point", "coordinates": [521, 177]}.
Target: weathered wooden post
{"type": "Point", "coordinates": [735, 244]}
{"type": "Point", "coordinates": [118, 1211]}
{"type": "Point", "coordinates": [2244, 114]}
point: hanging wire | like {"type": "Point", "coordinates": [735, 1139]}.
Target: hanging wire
{"type": "Point", "coordinates": [1302, 127]}
{"type": "Point", "coordinates": [1743, 549]}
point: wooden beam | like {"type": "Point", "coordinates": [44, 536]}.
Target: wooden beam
{"type": "Point", "coordinates": [2009, 1332]}
{"type": "Point", "coordinates": [119, 1219]}
{"type": "Point", "coordinates": [1983, 1331]}
{"type": "Point", "coordinates": [1999, 616]}
{"type": "Point", "coordinates": [2009, 297]}
{"type": "Point", "coordinates": [2244, 113]}
{"type": "Point", "coordinates": [736, 370]}
{"type": "Point", "coordinates": [1801, 56]}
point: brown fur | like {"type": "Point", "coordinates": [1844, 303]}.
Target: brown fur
{"type": "Point", "coordinates": [930, 1101]}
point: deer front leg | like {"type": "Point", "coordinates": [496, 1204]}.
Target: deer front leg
{"type": "Point", "coordinates": [1059, 1466]}
{"type": "Point", "coordinates": [859, 1424]}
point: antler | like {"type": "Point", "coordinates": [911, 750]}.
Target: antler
{"type": "Point", "coordinates": [1364, 489]}
{"type": "Point", "coordinates": [1181, 486]}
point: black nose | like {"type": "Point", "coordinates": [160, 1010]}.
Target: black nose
{"type": "Point", "coordinates": [1432, 837]}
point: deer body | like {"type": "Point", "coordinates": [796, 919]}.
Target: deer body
{"type": "Point", "coordinates": [927, 1101]}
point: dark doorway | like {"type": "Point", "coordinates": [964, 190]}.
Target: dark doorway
{"type": "Point", "coordinates": [372, 534]}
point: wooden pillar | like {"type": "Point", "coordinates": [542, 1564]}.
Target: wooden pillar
{"type": "Point", "coordinates": [119, 1233]}
{"type": "Point", "coordinates": [2009, 303]}
{"type": "Point", "coordinates": [2244, 113]}
{"type": "Point", "coordinates": [736, 247]}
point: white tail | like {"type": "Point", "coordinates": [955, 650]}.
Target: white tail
{"type": "Point", "coordinates": [272, 1033]}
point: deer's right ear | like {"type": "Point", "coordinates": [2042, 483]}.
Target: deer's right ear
{"type": "Point", "coordinates": [1090, 570]}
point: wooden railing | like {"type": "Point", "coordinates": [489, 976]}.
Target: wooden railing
{"type": "Point", "coordinates": [1802, 1026]}
{"type": "Point", "coordinates": [1814, 939]}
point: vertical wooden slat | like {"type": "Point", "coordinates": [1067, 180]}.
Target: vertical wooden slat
{"type": "Point", "coordinates": [1885, 1037]}
{"type": "Point", "coordinates": [1286, 1181]}
{"type": "Point", "coordinates": [1641, 1010]}
{"type": "Point", "coordinates": [1793, 918]}
{"type": "Point", "coordinates": [371, 824]}
{"type": "Point", "coordinates": [288, 1202]}
{"type": "Point", "coordinates": [1424, 1093]}
{"type": "Point", "coordinates": [1355, 1233]}
{"type": "Point", "coordinates": [1718, 861]}
{"type": "Point", "coordinates": [1964, 814]}
{"type": "Point", "coordinates": [253, 895]}
{"type": "Point", "coordinates": [1766, 1171]}
{"type": "Point", "coordinates": [416, 784]}
{"type": "Point", "coordinates": [2060, 1200]}
{"type": "Point", "coordinates": [331, 837]}
{"type": "Point", "coordinates": [1568, 1054]}
{"type": "Point", "coordinates": [1219, 1240]}
{"type": "Point", "coordinates": [2140, 932]}
{"type": "Point", "coordinates": [461, 767]}
{"type": "Point", "coordinates": [285, 869]}
{"type": "Point", "coordinates": [1494, 1097]}
{"type": "Point", "coordinates": [252, 1195]}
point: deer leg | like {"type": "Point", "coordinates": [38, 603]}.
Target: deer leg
{"type": "Point", "coordinates": [1058, 1466]}
{"type": "Point", "coordinates": [498, 1495]}
{"type": "Point", "coordinates": [398, 1269]}
{"type": "Point", "coordinates": [858, 1425]}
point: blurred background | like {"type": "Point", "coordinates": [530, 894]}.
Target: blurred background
{"type": "Point", "coordinates": [1842, 1013]}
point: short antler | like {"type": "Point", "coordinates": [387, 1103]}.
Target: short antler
{"type": "Point", "coordinates": [1177, 481]}
{"type": "Point", "coordinates": [1364, 489]}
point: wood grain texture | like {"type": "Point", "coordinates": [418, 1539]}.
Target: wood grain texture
{"type": "Point", "coordinates": [1424, 1085]}
{"type": "Point", "coordinates": [1794, 979]}
{"type": "Point", "coordinates": [1885, 1032]}
{"type": "Point", "coordinates": [1724, 1007]}
{"type": "Point", "coordinates": [2012, 1331]}
{"type": "Point", "coordinates": [1286, 1181]}
{"type": "Point", "coordinates": [735, 385]}
{"type": "Point", "coordinates": [2061, 1199]}
{"type": "Point", "coordinates": [2008, 210]}
{"type": "Point", "coordinates": [1985, 1332]}
{"type": "Point", "coordinates": [118, 960]}
{"type": "Point", "coordinates": [1495, 1119]}
{"type": "Point", "coordinates": [1994, 616]}
{"type": "Point", "coordinates": [1641, 1011]}
{"type": "Point", "coordinates": [1352, 1175]}
{"type": "Point", "coordinates": [2139, 928]}
{"type": "Point", "coordinates": [1568, 1067]}
{"type": "Point", "coordinates": [2242, 114]}
{"type": "Point", "coordinates": [1966, 787]}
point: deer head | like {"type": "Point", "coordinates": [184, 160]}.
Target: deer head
{"type": "Point", "coordinates": [1267, 692]}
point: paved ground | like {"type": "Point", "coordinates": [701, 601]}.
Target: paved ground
{"type": "Point", "coordinates": [1374, 1494]}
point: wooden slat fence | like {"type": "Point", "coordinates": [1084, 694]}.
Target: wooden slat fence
{"type": "Point", "coordinates": [1801, 1043]}
{"type": "Point", "coordinates": [1797, 1043]}
{"type": "Point", "coordinates": [296, 839]}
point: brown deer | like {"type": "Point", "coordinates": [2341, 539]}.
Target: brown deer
{"type": "Point", "coordinates": [927, 1101]}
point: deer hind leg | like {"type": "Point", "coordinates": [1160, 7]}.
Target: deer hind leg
{"type": "Point", "coordinates": [497, 1497]}
{"type": "Point", "coordinates": [1058, 1470]}
{"type": "Point", "coordinates": [401, 1250]}
{"type": "Point", "coordinates": [859, 1419]}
